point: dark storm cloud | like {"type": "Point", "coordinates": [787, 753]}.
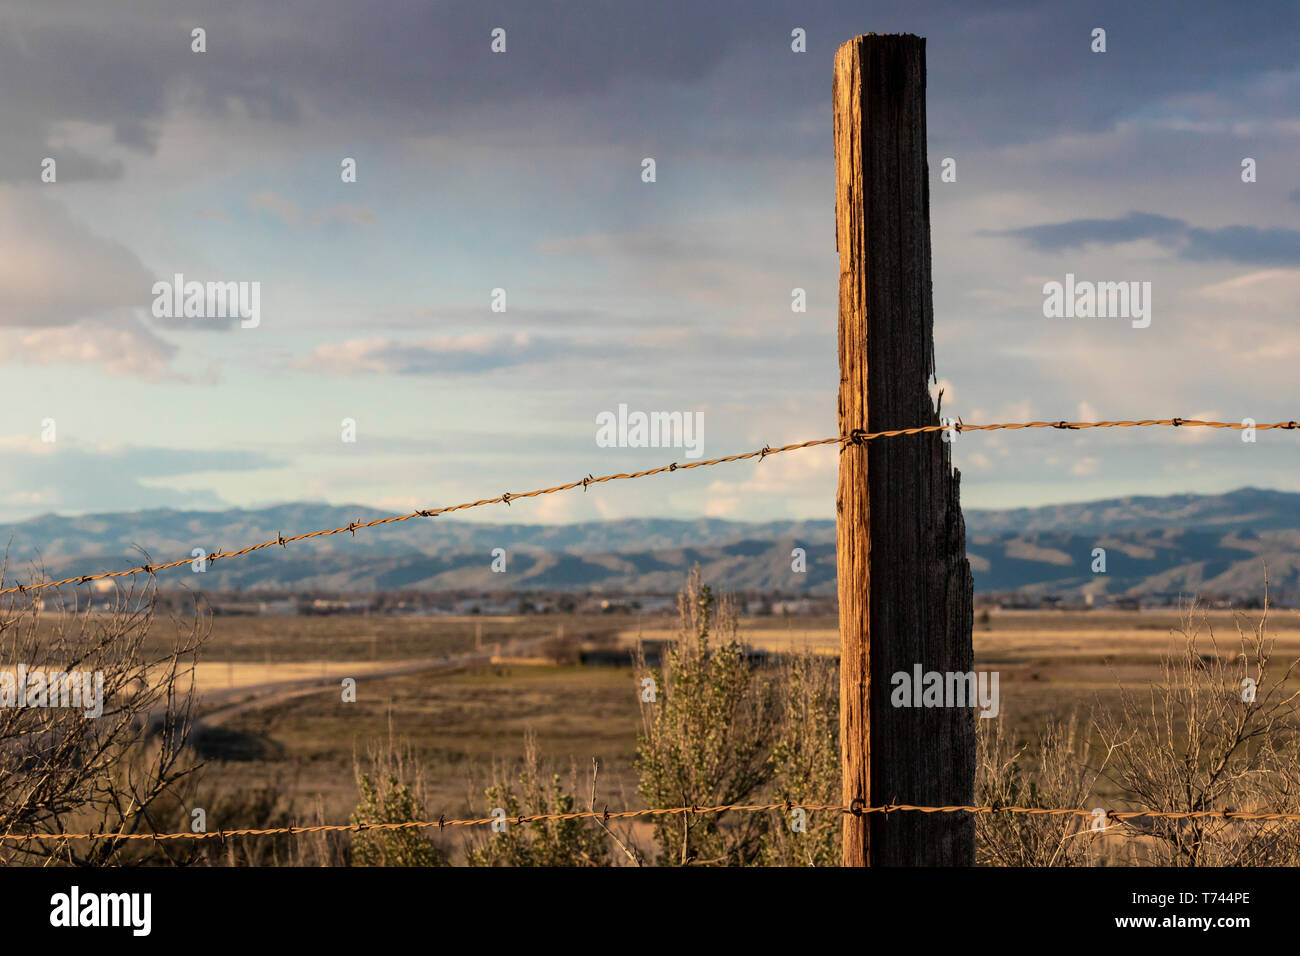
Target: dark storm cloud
{"type": "Point", "coordinates": [1244, 244]}
{"type": "Point", "coordinates": [1248, 245]}
{"type": "Point", "coordinates": [998, 73]}
{"type": "Point", "coordinates": [1058, 236]}
{"type": "Point", "coordinates": [411, 62]}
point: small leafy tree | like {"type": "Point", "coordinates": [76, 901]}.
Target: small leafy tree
{"type": "Point", "coordinates": [805, 763]}
{"type": "Point", "coordinates": [391, 804]}
{"type": "Point", "coordinates": [707, 736]}
{"type": "Point", "coordinates": [385, 797]}
{"type": "Point", "coordinates": [541, 842]}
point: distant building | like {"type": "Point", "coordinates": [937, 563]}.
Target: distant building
{"type": "Point", "coordinates": [797, 606]}
{"type": "Point", "coordinates": [321, 606]}
{"type": "Point", "coordinates": [616, 657]}
{"type": "Point", "coordinates": [279, 607]}
{"type": "Point", "coordinates": [236, 608]}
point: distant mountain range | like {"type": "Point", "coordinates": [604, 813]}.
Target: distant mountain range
{"type": "Point", "coordinates": [1205, 544]}
{"type": "Point", "coordinates": [1255, 509]}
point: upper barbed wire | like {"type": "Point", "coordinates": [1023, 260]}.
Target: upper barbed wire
{"type": "Point", "coordinates": [856, 437]}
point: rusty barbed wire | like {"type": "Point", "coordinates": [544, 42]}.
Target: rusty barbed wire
{"type": "Point", "coordinates": [442, 823]}
{"type": "Point", "coordinates": [858, 436]}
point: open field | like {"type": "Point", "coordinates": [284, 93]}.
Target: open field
{"type": "Point", "coordinates": [459, 725]}
{"type": "Point", "coordinates": [1015, 635]}
{"type": "Point", "coordinates": [289, 639]}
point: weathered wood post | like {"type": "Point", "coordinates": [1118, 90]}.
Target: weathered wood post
{"type": "Point", "coordinates": [905, 587]}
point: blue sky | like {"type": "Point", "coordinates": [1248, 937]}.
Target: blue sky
{"type": "Point", "coordinates": [522, 170]}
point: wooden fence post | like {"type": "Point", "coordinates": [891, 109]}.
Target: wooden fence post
{"type": "Point", "coordinates": [905, 590]}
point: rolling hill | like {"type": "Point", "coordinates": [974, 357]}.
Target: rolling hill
{"type": "Point", "coordinates": [1208, 544]}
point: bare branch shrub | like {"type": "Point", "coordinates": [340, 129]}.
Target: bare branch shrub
{"type": "Point", "coordinates": [64, 771]}
{"type": "Point", "coordinates": [1219, 731]}
{"type": "Point", "coordinates": [541, 842]}
{"type": "Point", "coordinates": [1202, 738]}
{"type": "Point", "coordinates": [1055, 775]}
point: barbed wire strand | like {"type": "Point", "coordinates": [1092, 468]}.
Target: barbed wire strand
{"type": "Point", "coordinates": [1118, 816]}
{"type": "Point", "coordinates": [856, 437]}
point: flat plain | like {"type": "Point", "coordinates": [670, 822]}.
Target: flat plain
{"type": "Point", "coordinates": [462, 725]}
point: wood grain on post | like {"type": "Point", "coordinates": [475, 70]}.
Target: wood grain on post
{"type": "Point", "coordinates": [905, 589]}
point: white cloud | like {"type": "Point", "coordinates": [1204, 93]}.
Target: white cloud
{"type": "Point", "coordinates": [470, 352]}
{"type": "Point", "coordinates": [794, 484]}
{"type": "Point", "coordinates": [291, 214]}
{"type": "Point", "coordinates": [119, 346]}
{"type": "Point", "coordinates": [283, 209]}
{"type": "Point", "coordinates": [353, 213]}
{"type": "Point", "coordinates": [55, 271]}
